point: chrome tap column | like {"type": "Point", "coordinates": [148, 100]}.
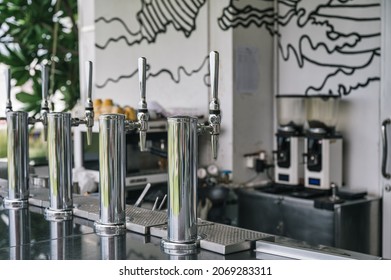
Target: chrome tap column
{"type": "Point", "coordinates": [59, 137]}
{"type": "Point", "coordinates": [60, 169]}
{"type": "Point", "coordinates": [182, 141]}
{"type": "Point", "coordinates": [182, 183]}
{"type": "Point", "coordinates": [112, 130]}
{"type": "Point", "coordinates": [17, 156]}
{"type": "Point", "coordinates": [111, 174]}
{"type": "Point", "coordinates": [18, 147]}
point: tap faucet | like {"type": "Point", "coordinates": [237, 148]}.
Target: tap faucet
{"type": "Point", "coordinates": [112, 133]}
{"type": "Point", "coordinates": [142, 113]}
{"type": "Point", "coordinates": [45, 102]}
{"type": "Point", "coordinates": [182, 170]}
{"type": "Point", "coordinates": [214, 105]}
{"type": "Point", "coordinates": [89, 107]}
{"type": "Point", "coordinates": [8, 104]}
{"type": "Point", "coordinates": [59, 125]}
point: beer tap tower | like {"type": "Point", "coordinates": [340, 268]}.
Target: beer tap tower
{"type": "Point", "coordinates": [59, 132]}
{"type": "Point", "coordinates": [18, 145]}
{"type": "Point", "coordinates": [112, 161]}
{"type": "Point", "coordinates": [182, 235]}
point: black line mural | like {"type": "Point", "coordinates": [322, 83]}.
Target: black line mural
{"type": "Point", "coordinates": [339, 40]}
{"type": "Point", "coordinates": [153, 18]}
{"type": "Point", "coordinates": [175, 78]}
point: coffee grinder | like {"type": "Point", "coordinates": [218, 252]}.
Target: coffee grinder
{"type": "Point", "coordinates": [289, 139]}
{"type": "Point", "coordinates": [323, 144]}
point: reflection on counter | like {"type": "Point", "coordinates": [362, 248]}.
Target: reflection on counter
{"type": "Point", "coordinates": [26, 234]}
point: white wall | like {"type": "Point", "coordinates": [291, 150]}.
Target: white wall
{"type": "Point", "coordinates": [230, 27]}
{"type": "Point", "coordinates": [177, 57]}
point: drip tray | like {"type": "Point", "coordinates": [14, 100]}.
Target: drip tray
{"type": "Point", "coordinates": [218, 238]}
{"type": "Point", "coordinates": [221, 239]}
{"type": "Point", "coordinates": [39, 197]}
{"type": "Point", "coordinates": [140, 220]}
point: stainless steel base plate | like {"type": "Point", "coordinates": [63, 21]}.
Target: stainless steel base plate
{"type": "Point", "coordinates": [15, 203]}
{"type": "Point", "coordinates": [55, 215]}
{"type": "Point", "coordinates": [109, 229]}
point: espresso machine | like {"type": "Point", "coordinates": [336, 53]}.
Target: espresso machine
{"type": "Point", "coordinates": [323, 144]}
{"type": "Point", "coordinates": [289, 140]}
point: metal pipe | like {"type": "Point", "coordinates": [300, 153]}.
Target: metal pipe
{"type": "Point", "coordinates": [111, 175]}
{"type": "Point", "coordinates": [60, 169]}
{"type": "Point", "coordinates": [182, 184]}
{"type": "Point", "coordinates": [17, 156]}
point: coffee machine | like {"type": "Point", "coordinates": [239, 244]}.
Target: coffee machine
{"type": "Point", "coordinates": [323, 144]}
{"type": "Point", "coordinates": [289, 140]}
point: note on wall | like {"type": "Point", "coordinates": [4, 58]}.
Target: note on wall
{"type": "Point", "coordinates": [247, 70]}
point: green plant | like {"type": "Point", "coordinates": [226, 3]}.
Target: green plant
{"type": "Point", "coordinates": [41, 32]}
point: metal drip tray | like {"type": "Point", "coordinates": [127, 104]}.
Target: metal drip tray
{"type": "Point", "coordinates": [86, 207]}
{"type": "Point", "coordinates": [161, 231]}
{"type": "Point", "coordinates": [225, 239]}
{"type": "Point", "coordinates": [141, 220]}
{"type": "Point", "coordinates": [137, 219]}
{"type": "Point", "coordinates": [39, 197]}
{"type": "Point", "coordinates": [219, 238]}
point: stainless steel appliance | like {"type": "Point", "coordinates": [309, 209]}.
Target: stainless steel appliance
{"type": "Point", "coordinates": [290, 140]}
{"type": "Point", "coordinates": [323, 144]}
{"type": "Point", "coordinates": [353, 224]}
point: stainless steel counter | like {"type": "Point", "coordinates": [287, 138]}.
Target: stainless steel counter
{"type": "Point", "coordinates": [26, 234]}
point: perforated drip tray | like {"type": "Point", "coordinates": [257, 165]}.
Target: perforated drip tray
{"type": "Point", "coordinates": [141, 220]}
{"type": "Point", "coordinates": [86, 207]}
{"type": "Point", "coordinates": [39, 197]}
{"type": "Point", "coordinates": [137, 219]}
{"type": "Point", "coordinates": [219, 238]}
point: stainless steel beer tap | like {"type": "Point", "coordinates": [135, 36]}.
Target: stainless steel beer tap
{"type": "Point", "coordinates": [182, 170]}
{"type": "Point", "coordinates": [59, 134]}
{"type": "Point", "coordinates": [17, 153]}
{"type": "Point", "coordinates": [112, 132]}
{"type": "Point", "coordinates": [45, 102]}
{"type": "Point", "coordinates": [142, 113]}
{"type": "Point", "coordinates": [8, 104]}
{"type": "Point", "coordinates": [214, 105]}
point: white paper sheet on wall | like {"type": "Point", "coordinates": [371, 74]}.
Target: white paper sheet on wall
{"type": "Point", "coordinates": [247, 70]}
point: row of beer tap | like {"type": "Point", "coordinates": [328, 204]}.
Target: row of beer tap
{"type": "Point", "coordinates": [182, 159]}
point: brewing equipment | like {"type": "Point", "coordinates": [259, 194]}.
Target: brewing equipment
{"type": "Point", "coordinates": [290, 140]}
{"type": "Point", "coordinates": [323, 143]}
